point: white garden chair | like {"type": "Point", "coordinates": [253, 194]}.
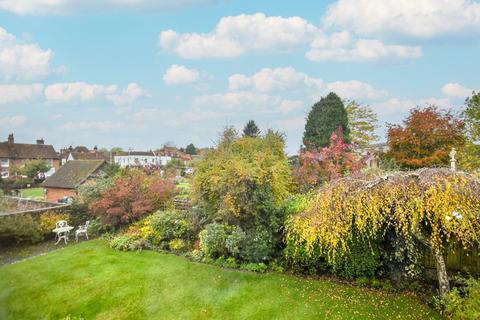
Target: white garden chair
{"type": "Point", "coordinates": [62, 231]}
{"type": "Point", "coordinates": [82, 230]}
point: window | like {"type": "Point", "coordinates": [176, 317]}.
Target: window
{"type": "Point", "coordinates": [4, 163]}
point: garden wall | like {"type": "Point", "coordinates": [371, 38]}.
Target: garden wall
{"type": "Point", "coordinates": [18, 205]}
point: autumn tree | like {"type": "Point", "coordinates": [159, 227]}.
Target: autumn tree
{"type": "Point", "coordinates": [362, 121]}
{"type": "Point", "coordinates": [131, 196]}
{"type": "Point", "coordinates": [251, 129]}
{"type": "Point", "coordinates": [469, 155]}
{"type": "Point", "coordinates": [325, 164]}
{"type": "Point", "coordinates": [425, 139]}
{"type": "Point", "coordinates": [326, 116]}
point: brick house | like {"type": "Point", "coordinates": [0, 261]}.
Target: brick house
{"type": "Point", "coordinates": [14, 155]}
{"type": "Point", "coordinates": [70, 176]}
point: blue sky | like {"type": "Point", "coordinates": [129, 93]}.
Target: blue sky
{"type": "Point", "coordinates": [137, 74]}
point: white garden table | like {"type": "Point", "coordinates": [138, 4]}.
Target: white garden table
{"type": "Point", "coordinates": [62, 233]}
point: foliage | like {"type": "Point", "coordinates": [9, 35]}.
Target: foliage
{"type": "Point", "coordinates": [126, 242]}
{"type": "Point", "coordinates": [259, 245]}
{"type": "Point", "coordinates": [255, 267]}
{"type": "Point", "coordinates": [131, 196]}
{"type": "Point", "coordinates": [20, 227]}
{"type": "Point", "coordinates": [469, 155]}
{"type": "Point", "coordinates": [213, 240]}
{"type": "Point", "coordinates": [174, 167]}
{"type": "Point", "coordinates": [234, 180]}
{"type": "Point", "coordinates": [178, 245]}
{"type": "Point", "coordinates": [48, 220]}
{"type": "Point", "coordinates": [434, 206]}
{"type": "Point", "coordinates": [362, 122]}
{"type": "Point", "coordinates": [425, 139]}
{"type": "Point", "coordinates": [190, 149]}
{"type": "Point", "coordinates": [165, 226]}
{"type": "Point", "coordinates": [463, 302]}
{"type": "Point", "coordinates": [326, 116]}
{"type": "Point", "coordinates": [33, 168]}
{"type": "Point", "coordinates": [332, 162]}
{"type": "Point", "coordinates": [251, 130]}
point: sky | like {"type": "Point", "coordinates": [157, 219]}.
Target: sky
{"type": "Point", "coordinates": [141, 73]}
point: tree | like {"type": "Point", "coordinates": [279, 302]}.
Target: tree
{"type": "Point", "coordinates": [326, 116]}
{"type": "Point", "coordinates": [469, 155]}
{"type": "Point", "coordinates": [425, 139]}
{"type": "Point", "coordinates": [362, 122]}
{"type": "Point", "coordinates": [251, 129]}
{"type": "Point", "coordinates": [332, 162]}
{"type": "Point", "coordinates": [34, 168]}
{"type": "Point", "coordinates": [190, 149]}
{"type": "Point", "coordinates": [116, 150]}
{"type": "Point", "coordinates": [227, 136]}
{"type": "Point", "coordinates": [433, 206]}
{"type": "Point", "coordinates": [131, 196]}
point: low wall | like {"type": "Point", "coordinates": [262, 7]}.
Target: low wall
{"type": "Point", "coordinates": [23, 205]}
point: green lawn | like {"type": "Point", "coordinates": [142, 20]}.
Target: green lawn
{"type": "Point", "coordinates": [92, 281]}
{"type": "Point", "coordinates": [36, 193]}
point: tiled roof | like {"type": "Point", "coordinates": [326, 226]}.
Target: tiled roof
{"type": "Point", "coordinates": [73, 173]}
{"type": "Point", "coordinates": [27, 151]}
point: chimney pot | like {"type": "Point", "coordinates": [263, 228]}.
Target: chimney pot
{"type": "Point", "coordinates": [40, 141]}
{"type": "Point", "coordinates": [11, 140]}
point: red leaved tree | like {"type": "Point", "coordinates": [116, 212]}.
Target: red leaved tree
{"type": "Point", "coordinates": [325, 164]}
{"type": "Point", "coordinates": [425, 139]}
{"type": "Point", "coordinates": [131, 196]}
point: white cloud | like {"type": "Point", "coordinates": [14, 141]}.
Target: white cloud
{"type": "Point", "coordinates": [245, 101]}
{"type": "Point", "coordinates": [269, 80]}
{"type": "Point", "coordinates": [132, 93]}
{"type": "Point", "coordinates": [236, 35]}
{"type": "Point", "coordinates": [40, 7]}
{"type": "Point", "coordinates": [22, 61]}
{"type": "Point", "coordinates": [356, 90]}
{"type": "Point", "coordinates": [456, 90]}
{"type": "Point", "coordinates": [277, 79]}
{"type": "Point", "coordinates": [180, 75]}
{"type": "Point", "coordinates": [17, 93]}
{"type": "Point", "coordinates": [104, 126]}
{"type": "Point", "coordinates": [341, 47]}
{"type": "Point", "coordinates": [398, 105]}
{"type": "Point", "coordinates": [12, 121]}
{"type": "Point", "coordinates": [420, 18]}
{"type": "Point", "coordinates": [76, 91]}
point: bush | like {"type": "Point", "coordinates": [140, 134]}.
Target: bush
{"type": "Point", "coordinates": [463, 303]}
{"type": "Point", "coordinates": [178, 245]}
{"type": "Point", "coordinates": [195, 255]}
{"type": "Point", "coordinates": [127, 242]}
{"type": "Point", "coordinates": [259, 246]}
{"type": "Point", "coordinates": [167, 226]}
{"type": "Point", "coordinates": [213, 240]}
{"type": "Point", "coordinates": [234, 242]}
{"type": "Point", "coordinates": [48, 220]}
{"type": "Point", "coordinates": [361, 259]}
{"type": "Point", "coordinates": [20, 227]}
{"type": "Point", "coordinates": [256, 267]}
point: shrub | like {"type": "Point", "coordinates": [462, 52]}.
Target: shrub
{"type": "Point", "coordinates": [256, 267]}
{"type": "Point", "coordinates": [178, 245]}
{"type": "Point", "coordinates": [127, 242]}
{"type": "Point", "coordinates": [20, 227]}
{"type": "Point", "coordinates": [463, 303]}
{"type": "Point", "coordinates": [196, 255]}
{"type": "Point", "coordinates": [259, 246]}
{"type": "Point", "coordinates": [213, 240]}
{"type": "Point", "coordinates": [167, 226]}
{"type": "Point", "coordinates": [48, 220]}
{"type": "Point", "coordinates": [130, 197]}
{"type": "Point", "coordinates": [234, 242]}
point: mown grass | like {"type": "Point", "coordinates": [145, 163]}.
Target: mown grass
{"type": "Point", "coordinates": [36, 193]}
{"type": "Point", "coordinates": [92, 281]}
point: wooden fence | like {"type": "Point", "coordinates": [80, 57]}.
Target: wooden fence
{"type": "Point", "coordinates": [457, 259]}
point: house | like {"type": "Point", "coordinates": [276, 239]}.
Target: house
{"type": "Point", "coordinates": [67, 179]}
{"type": "Point", "coordinates": [82, 153]}
{"type": "Point", "coordinates": [140, 159]}
{"type": "Point", "coordinates": [14, 155]}
{"type": "Point", "coordinates": [371, 154]}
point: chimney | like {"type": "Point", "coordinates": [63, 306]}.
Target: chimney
{"type": "Point", "coordinates": [10, 141]}
{"type": "Point", "coordinates": [40, 141]}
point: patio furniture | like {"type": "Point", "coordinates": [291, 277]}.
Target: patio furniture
{"type": "Point", "coordinates": [62, 231]}
{"type": "Point", "coordinates": [82, 230]}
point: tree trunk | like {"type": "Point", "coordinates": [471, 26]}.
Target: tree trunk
{"type": "Point", "coordinates": [443, 283]}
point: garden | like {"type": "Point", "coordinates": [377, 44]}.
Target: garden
{"type": "Point", "coordinates": [321, 234]}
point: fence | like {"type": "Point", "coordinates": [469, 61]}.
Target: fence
{"type": "Point", "coordinates": [457, 259]}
